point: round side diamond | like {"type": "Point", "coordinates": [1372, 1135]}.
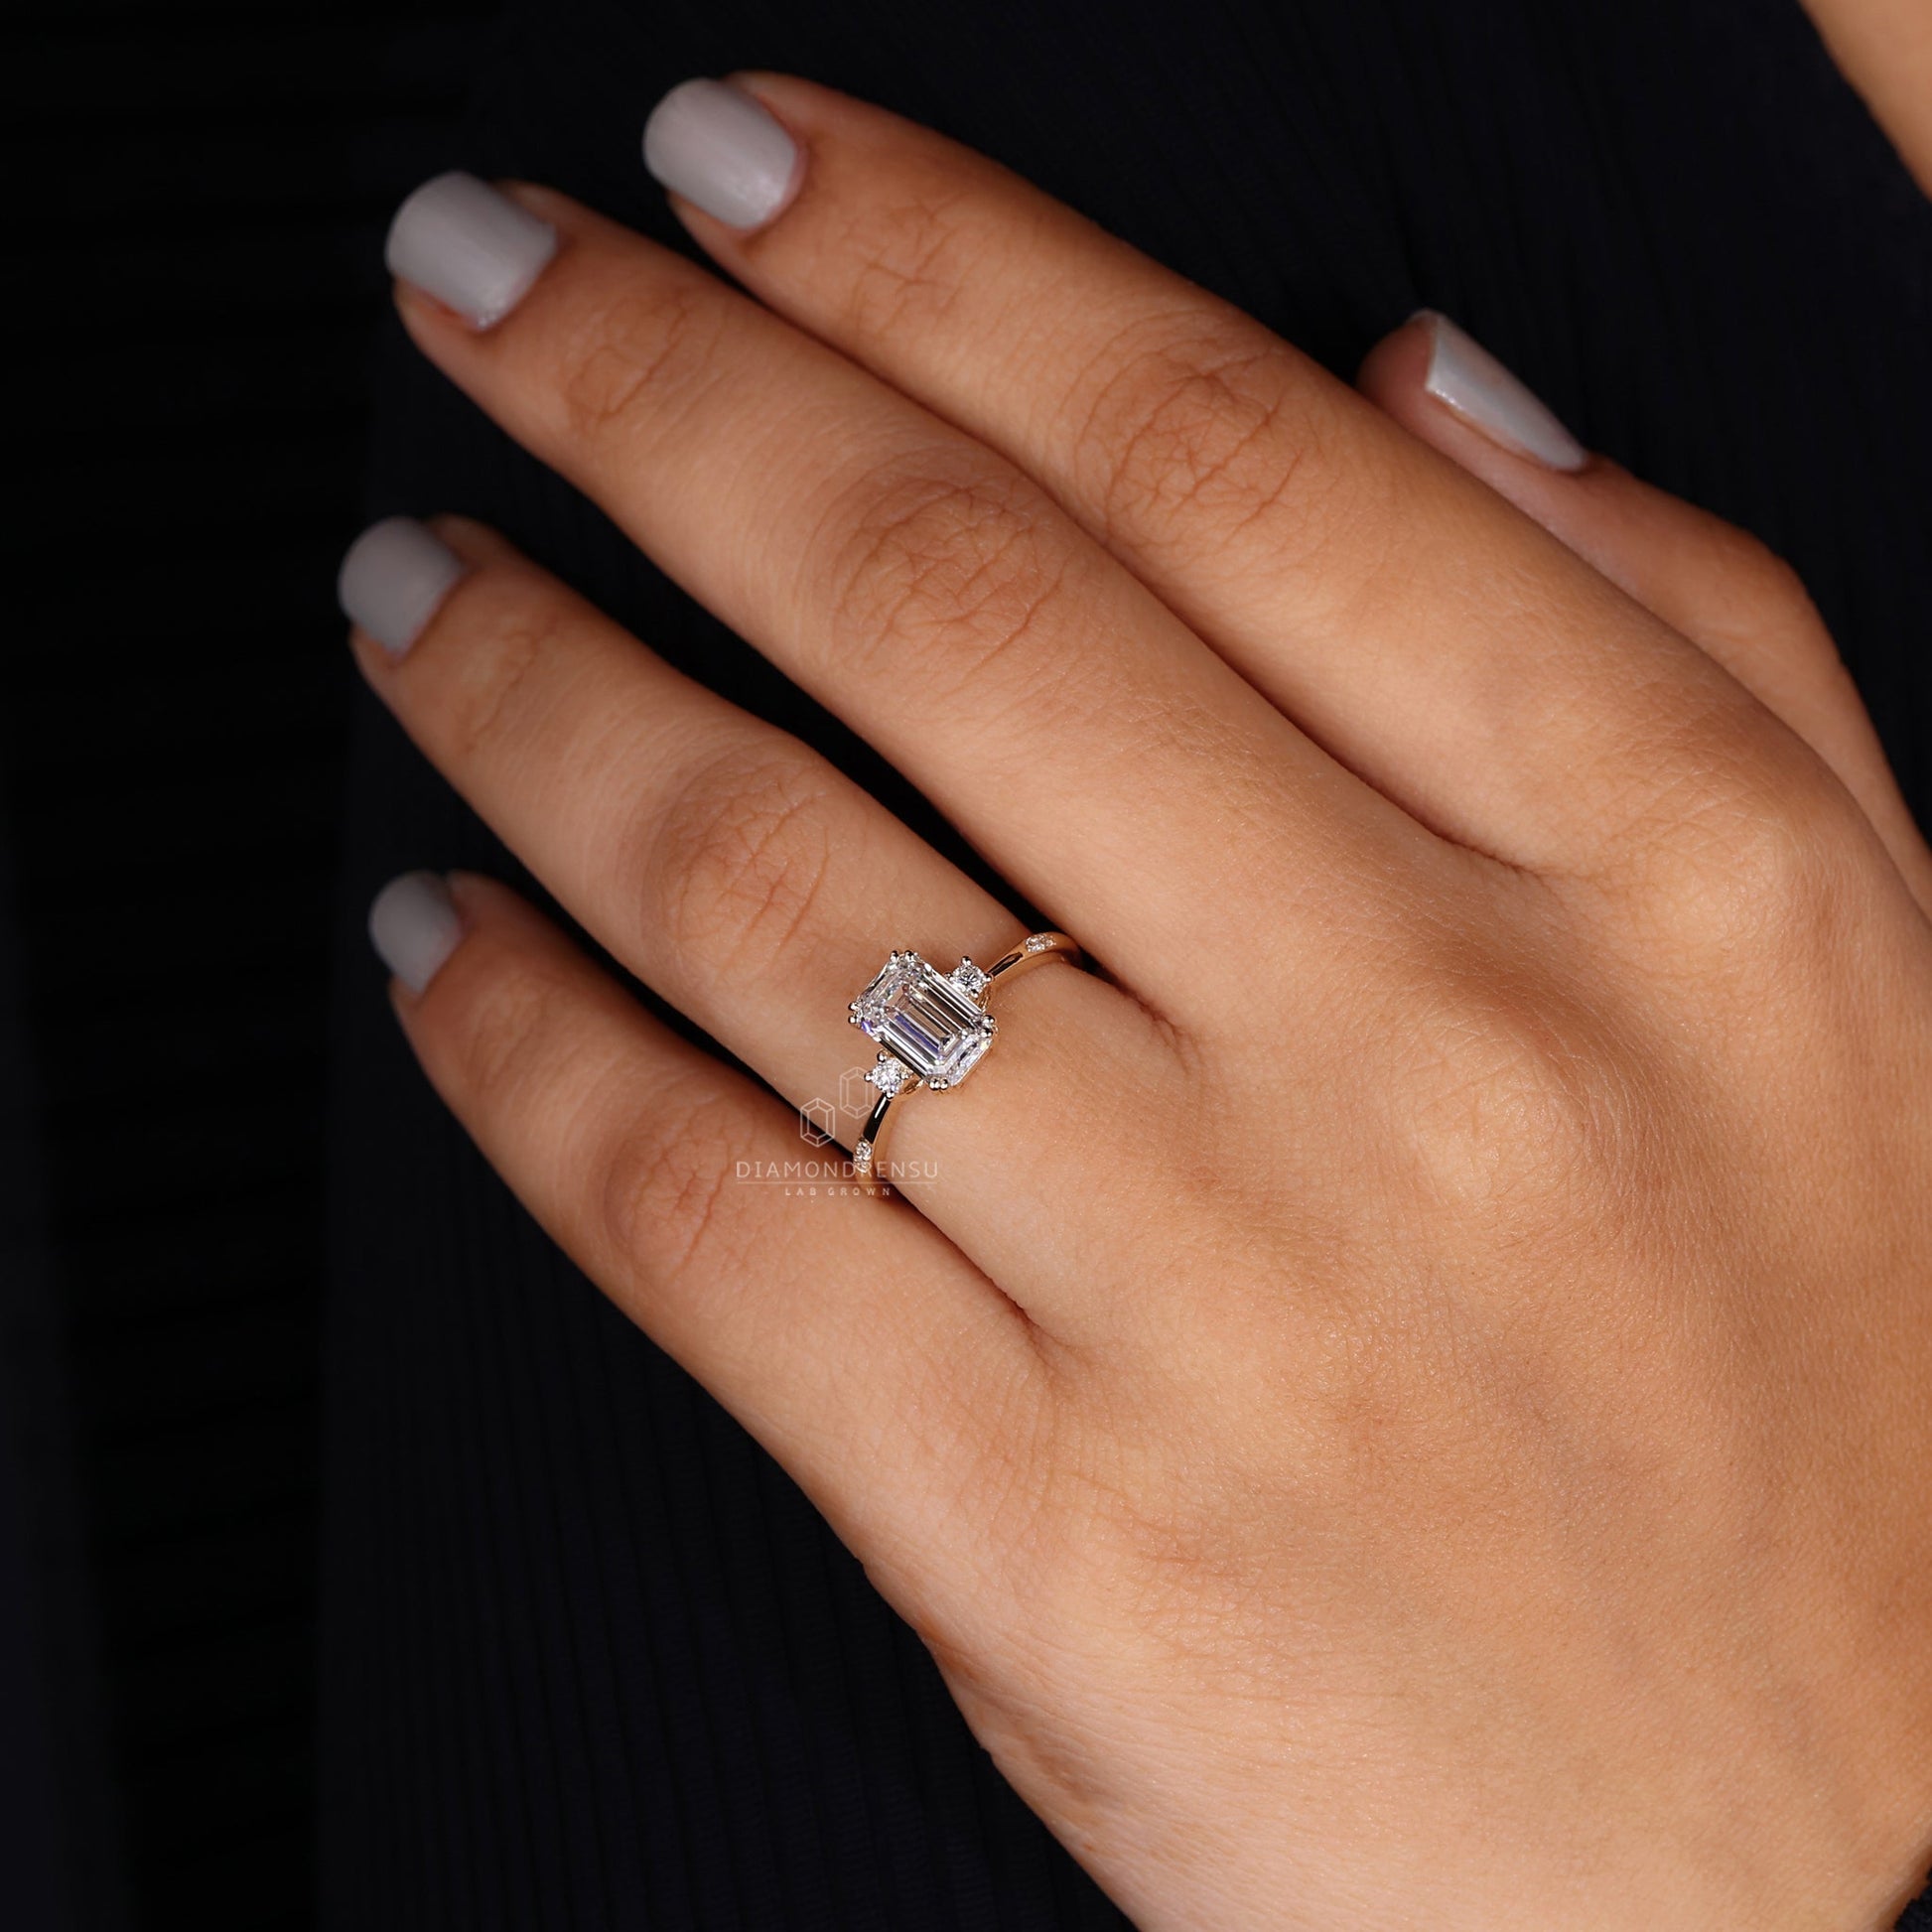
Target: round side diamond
{"type": "Point", "coordinates": [968, 977]}
{"type": "Point", "coordinates": [888, 1076]}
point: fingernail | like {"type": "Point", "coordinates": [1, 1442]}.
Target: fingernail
{"type": "Point", "coordinates": [393, 578]}
{"type": "Point", "coordinates": [414, 927]}
{"type": "Point", "coordinates": [716, 146]}
{"type": "Point", "coordinates": [473, 250]}
{"type": "Point", "coordinates": [1469, 380]}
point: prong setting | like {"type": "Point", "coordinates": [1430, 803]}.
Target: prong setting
{"type": "Point", "coordinates": [931, 1028]}
{"type": "Point", "coordinates": [925, 1020]}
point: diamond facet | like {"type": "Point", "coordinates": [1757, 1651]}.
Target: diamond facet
{"type": "Point", "coordinates": [925, 1020]}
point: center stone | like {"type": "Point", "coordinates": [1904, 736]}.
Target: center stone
{"type": "Point", "coordinates": [920, 1017]}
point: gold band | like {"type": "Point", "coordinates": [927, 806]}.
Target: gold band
{"type": "Point", "coordinates": [868, 1157]}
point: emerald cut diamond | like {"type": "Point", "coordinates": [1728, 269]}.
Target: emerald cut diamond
{"type": "Point", "coordinates": [925, 1020]}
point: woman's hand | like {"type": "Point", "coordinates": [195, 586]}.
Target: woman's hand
{"type": "Point", "coordinates": [1405, 1403]}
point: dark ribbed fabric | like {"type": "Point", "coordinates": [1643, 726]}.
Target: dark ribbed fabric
{"type": "Point", "coordinates": [191, 275]}
{"type": "Point", "coordinates": [590, 1660]}
{"type": "Point", "coordinates": [59, 1864]}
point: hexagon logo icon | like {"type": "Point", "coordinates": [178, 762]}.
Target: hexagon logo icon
{"type": "Point", "coordinates": [856, 1094]}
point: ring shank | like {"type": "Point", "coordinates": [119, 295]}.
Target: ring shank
{"type": "Point", "coordinates": [1036, 946]}
{"type": "Point", "coordinates": [868, 1155]}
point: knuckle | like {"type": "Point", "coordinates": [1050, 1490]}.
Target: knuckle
{"type": "Point", "coordinates": [912, 254]}
{"type": "Point", "coordinates": [1750, 574]}
{"type": "Point", "coordinates": [1758, 868]}
{"type": "Point", "coordinates": [624, 358]}
{"type": "Point", "coordinates": [737, 862]}
{"type": "Point", "coordinates": [1198, 421]}
{"type": "Point", "coordinates": [496, 673]}
{"type": "Point", "coordinates": [1747, 604]}
{"type": "Point", "coordinates": [958, 554]}
{"type": "Point", "coordinates": [1515, 1101]}
{"type": "Point", "coordinates": [662, 1189]}
{"type": "Point", "coordinates": [505, 1047]}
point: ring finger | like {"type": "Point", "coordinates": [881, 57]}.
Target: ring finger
{"type": "Point", "coordinates": [747, 879]}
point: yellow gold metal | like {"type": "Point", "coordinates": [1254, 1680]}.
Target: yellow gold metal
{"type": "Point", "coordinates": [1029, 953]}
{"type": "Point", "coordinates": [869, 1162]}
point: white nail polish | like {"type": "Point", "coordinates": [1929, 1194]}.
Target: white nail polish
{"type": "Point", "coordinates": [414, 927]}
{"type": "Point", "coordinates": [1463, 375]}
{"type": "Point", "coordinates": [718, 147]}
{"type": "Point", "coordinates": [393, 579]}
{"type": "Point", "coordinates": [473, 250]}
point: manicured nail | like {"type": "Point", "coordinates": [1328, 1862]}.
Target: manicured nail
{"type": "Point", "coordinates": [1465, 376]}
{"type": "Point", "coordinates": [393, 578]}
{"type": "Point", "coordinates": [716, 146]}
{"type": "Point", "coordinates": [473, 250]}
{"type": "Point", "coordinates": [414, 927]}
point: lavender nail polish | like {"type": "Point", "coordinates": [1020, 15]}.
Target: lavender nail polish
{"type": "Point", "coordinates": [722, 150]}
{"type": "Point", "coordinates": [393, 578]}
{"type": "Point", "coordinates": [473, 250]}
{"type": "Point", "coordinates": [1465, 378]}
{"type": "Point", "coordinates": [414, 927]}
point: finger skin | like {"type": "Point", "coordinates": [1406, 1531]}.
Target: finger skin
{"type": "Point", "coordinates": [759, 889]}
{"type": "Point", "coordinates": [935, 599]}
{"type": "Point", "coordinates": [1884, 47]}
{"type": "Point", "coordinates": [1401, 615]}
{"type": "Point", "coordinates": [847, 1333]}
{"type": "Point", "coordinates": [1715, 583]}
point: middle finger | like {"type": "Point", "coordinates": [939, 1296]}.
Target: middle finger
{"type": "Point", "coordinates": [1433, 638]}
{"type": "Point", "coordinates": [934, 595]}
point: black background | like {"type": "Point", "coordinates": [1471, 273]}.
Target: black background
{"type": "Point", "coordinates": [195, 281]}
